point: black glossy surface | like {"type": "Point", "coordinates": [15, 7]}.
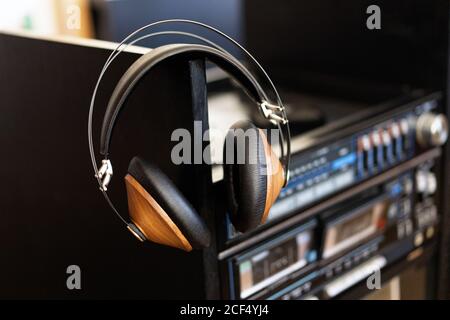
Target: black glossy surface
{"type": "Point", "coordinates": [52, 213]}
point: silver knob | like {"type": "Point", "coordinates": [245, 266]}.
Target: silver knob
{"type": "Point", "coordinates": [421, 181]}
{"type": "Point", "coordinates": [426, 182]}
{"type": "Point", "coordinates": [431, 183]}
{"type": "Point", "coordinates": [431, 129]}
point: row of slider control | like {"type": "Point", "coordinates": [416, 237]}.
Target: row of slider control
{"type": "Point", "coordinates": [383, 147]}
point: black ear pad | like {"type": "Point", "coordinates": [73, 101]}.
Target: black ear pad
{"type": "Point", "coordinates": [246, 182]}
{"type": "Point", "coordinates": [162, 189]}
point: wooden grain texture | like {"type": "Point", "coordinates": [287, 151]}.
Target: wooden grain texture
{"type": "Point", "coordinates": [275, 176]}
{"type": "Point", "coordinates": [151, 219]}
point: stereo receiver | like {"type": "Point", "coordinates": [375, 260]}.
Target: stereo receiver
{"type": "Point", "coordinates": [345, 244]}
{"type": "Point", "coordinates": [362, 197]}
{"type": "Point", "coordinates": [364, 154]}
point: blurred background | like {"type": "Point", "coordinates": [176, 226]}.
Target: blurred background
{"type": "Point", "coordinates": [113, 19]}
{"type": "Point", "coordinates": [47, 17]}
{"type": "Point", "coordinates": [323, 37]}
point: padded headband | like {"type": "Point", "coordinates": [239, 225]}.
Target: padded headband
{"type": "Point", "coordinates": [145, 63]}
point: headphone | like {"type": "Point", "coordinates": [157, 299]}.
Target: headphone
{"type": "Point", "coordinates": [158, 210]}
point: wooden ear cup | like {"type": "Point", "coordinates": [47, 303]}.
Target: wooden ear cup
{"type": "Point", "coordinates": [252, 186]}
{"type": "Point", "coordinates": [275, 176]}
{"type": "Point", "coordinates": [151, 219]}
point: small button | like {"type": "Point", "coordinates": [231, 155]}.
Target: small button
{"type": "Point", "coordinates": [392, 211]}
{"type": "Point", "coordinates": [418, 239]}
{"type": "Point", "coordinates": [408, 185]}
{"type": "Point", "coordinates": [431, 183]}
{"type": "Point", "coordinates": [430, 232]}
{"type": "Point", "coordinates": [421, 181]}
{"type": "Point", "coordinates": [297, 292]}
{"type": "Point", "coordinates": [406, 206]}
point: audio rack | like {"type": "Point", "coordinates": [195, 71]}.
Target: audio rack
{"type": "Point", "coordinates": [362, 196]}
{"type": "Point", "coordinates": [133, 267]}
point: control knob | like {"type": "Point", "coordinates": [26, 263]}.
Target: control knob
{"type": "Point", "coordinates": [426, 182]}
{"type": "Point", "coordinates": [431, 129]}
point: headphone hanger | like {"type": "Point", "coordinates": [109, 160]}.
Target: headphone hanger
{"type": "Point", "coordinates": [104, 174]}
